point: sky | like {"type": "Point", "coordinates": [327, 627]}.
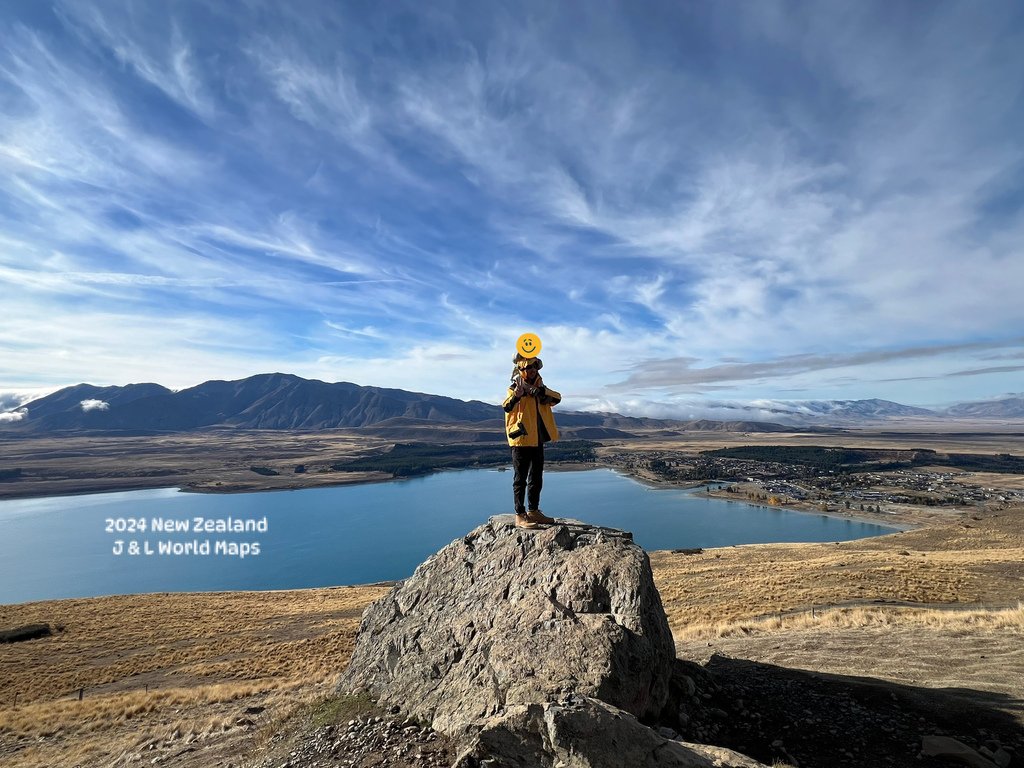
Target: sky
{"type": "Point", "coordinates": [691, 204]}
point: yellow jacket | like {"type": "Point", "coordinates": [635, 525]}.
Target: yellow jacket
{"type": "Point", "coordinates": [529, 421]}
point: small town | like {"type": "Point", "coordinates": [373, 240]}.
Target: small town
{"type": "Point", "coordinates": [806, 486]}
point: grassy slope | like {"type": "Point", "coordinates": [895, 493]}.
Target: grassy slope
{"type": "Point", "coordinates": [204, 658]}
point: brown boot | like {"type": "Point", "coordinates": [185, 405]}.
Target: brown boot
{"type": "Point", "coordinates": [522, 521]}
{"type": "Point", "coordinates": [536, 516]}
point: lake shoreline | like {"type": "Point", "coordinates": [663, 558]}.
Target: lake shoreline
{"type": "Point", "coordinates": [908, 518]}
{"type": "Point", "coordinates": [332, 538]}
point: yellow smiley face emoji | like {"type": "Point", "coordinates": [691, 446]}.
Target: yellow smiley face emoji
{"type": "Point", "coordinates": [528, 345]}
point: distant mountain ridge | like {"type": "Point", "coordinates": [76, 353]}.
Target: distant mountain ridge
{"type": "Point", "coordinates": [265, 401]}
{"type": "Point", "coordinates": [856, 411]}
{"type": "Point", "coordinates": [867, 409]}
{"type": "Point", "coordinates": [852, 412]}
{"type": "Point", "coordinates": [285, 401]}
{"type": "Point", "coordinates": [1011, 407]}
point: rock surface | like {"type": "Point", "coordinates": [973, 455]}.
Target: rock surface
{"type": "Point", "coordinates": [951, 749]}
{"type": "Point", "coordinates": [581, 732]}
{"type": "Point", "coordinates": [506, 617]}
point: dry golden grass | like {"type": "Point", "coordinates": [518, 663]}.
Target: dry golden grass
{"type": "Point", "coordinates": [203, 657]}
{"type": "Point", "coordinates": [945, 565]}
{"type": "Point", "coordinates": [955, 621]}
{"type": "Point", "coordinates": [70, 716]}
{"type": "Point", "coordinates": [1007, 620]}
{"type": "Point", "coordinates": [170, 640]}
{"type": "Point", "coordinates": [123, 726]}
{"type": "Point", "coordinates": [993, 480]}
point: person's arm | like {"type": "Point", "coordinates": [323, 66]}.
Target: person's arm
{"type": "Point", "coordinates": [511, 399]}
{"type": "Point", "coordinates": [548, 396]}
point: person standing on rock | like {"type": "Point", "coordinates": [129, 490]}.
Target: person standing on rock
{"type": "Point", "coordinates": [529, 423]}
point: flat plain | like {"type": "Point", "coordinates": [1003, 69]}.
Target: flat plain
{"type": "Point", "coordinates": [213, 461]}
{"type": "Point", "coordinates": [222, 460]}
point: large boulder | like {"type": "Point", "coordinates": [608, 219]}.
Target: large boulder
{"type": "Point", "coordinates": [507, 617]}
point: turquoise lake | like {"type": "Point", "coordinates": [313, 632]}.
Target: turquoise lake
{"type": "Point", "coordinates": [60, 547]}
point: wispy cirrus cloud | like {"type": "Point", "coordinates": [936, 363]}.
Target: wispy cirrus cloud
{"type": "Point", "coordinates": [988, 370]}
{"type": "Point", "coordinates": [166, 62]}
{"type": "Point", "coordinates": [681, 373]}
{"type": "Point", "coordinates": [831, 201]}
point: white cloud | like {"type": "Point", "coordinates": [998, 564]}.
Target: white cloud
{"type": "Point", "coordinates": [94, 405]}
{"type": "Point", "coordinates": [10, 417]}
{"type": "Point", "coordinates": [326, 98]}
{"type": "Point", "coordinates": [11, 399]}
{"type": "Point", "coordinates": [166, 63]}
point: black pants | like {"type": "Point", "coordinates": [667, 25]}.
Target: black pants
{"type": "Point", "coordinates": [528, 472]}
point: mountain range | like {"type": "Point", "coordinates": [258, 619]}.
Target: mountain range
{"type": "Point", "coordinates": [1006, 408]}
{"type": "Point", "coordinates": [851, 412]}
{"type": "Point", "coordinates": [266, 401]}
{"type": "Point", "coordinates": [284, 401]}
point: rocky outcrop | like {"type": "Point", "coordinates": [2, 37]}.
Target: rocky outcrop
{"type": "Point", "coordinates": [507, 617]}
{"type": "Point", "coordinates": [543, 648]}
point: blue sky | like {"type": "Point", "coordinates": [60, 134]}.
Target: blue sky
{"type": "Point", "coordinates": [690, 203]}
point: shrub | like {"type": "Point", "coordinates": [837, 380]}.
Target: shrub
{"type": "Point", "coordinates": [27, 632]}
{"type": "Point", "coordinates": [337, 709]}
